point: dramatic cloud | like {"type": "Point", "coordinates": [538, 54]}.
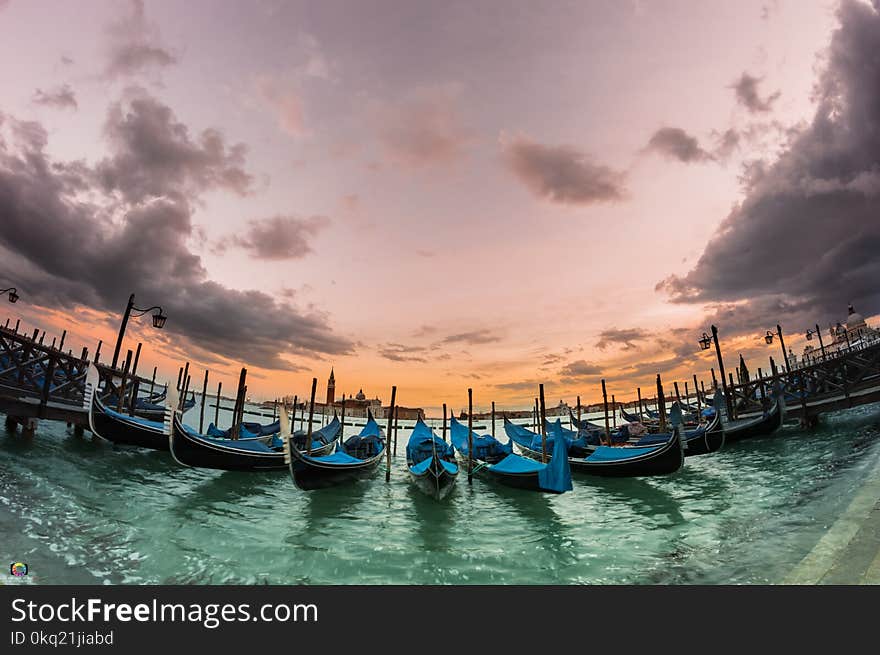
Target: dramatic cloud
{"type": "Point", "coordinates": [285, 102]}
{"type": "Point", "coordinates": [399, 353]}
{"type": "Point", "coordinates": [626, 337]}
{"type": "Point", "coordinates": [675, 143]}
{"type": "Point", "coordinates": [67, 243]}
{"type": "Point", "coordinates": [474, 338]}
{"type": "Point", "coordinates": [808, 230]}
{"type": "Point", "coordinates": [425, 127]}
{"type": "Point", "coordinates": [280, 237]}
{"type": "Point", "coordinates": [62, 97]}
{"type": "Point", "coordinates": [580, 369]}
{"type": "Point", "coordinates": [561, 174]}
{"type": "Point", "coordinates": [746, 90]}
{"type": "Point", "coordinates": [153, 154]}
{"type": "Point", "coordinates": [135, 46]}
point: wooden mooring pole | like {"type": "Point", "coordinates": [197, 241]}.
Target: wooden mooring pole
{"type": "Point", "coordinates": [217, 406]}
{"type": "Point", "coordinates": [388, 433]}
{"type": "Point", "coordinates": [444, 421]}
{"type": "Point", "coordinates": [543, 424]}
{"type": "Point", "coordinates": [605, 404]}
{"type": "Point", "coordinates": [470, 436]}
{"type": "Point", "coordinates": [203, 403]}
{"type": "Point", "coordinates": [311, 414]}
{"type": "Point", "coordinates": [661, 404]}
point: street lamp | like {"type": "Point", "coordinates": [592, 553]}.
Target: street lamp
{"type": "Point", "coordinates": [769, 339]}
{"type": "Point", "coordinates": [159, 319]}
{"type": "Point", "coordinates": [818, 333]}
{"type": "Point", "coordinates": [13, 294]}
{"type": "Point", "coordinates": [704, 342]}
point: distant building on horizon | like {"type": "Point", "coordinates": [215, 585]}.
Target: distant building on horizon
{"type": "Point", "coordinates": [855, 332]}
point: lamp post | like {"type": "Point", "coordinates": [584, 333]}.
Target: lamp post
{"type": "Point", "coordinates": [818, 333]}
{"type": "Point", "coordinates": [769, 339]}
{"type": "Point", "coordinates": [13, 294]}
{"type": "Point", "coordinates": [159, 319]}
{"type": "Point", "coordinates": [705, 342]}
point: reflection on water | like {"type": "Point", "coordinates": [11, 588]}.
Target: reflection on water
{"type": "Point", "coordinates": [83, 508]}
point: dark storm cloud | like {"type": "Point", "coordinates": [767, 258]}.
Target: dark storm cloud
{"type": "Point", "coordinates": [675, 143]}
{"type": "Point", "coordinates": [62, 97]}
{"type": "Point", "coordinates": [808, 229]}
{"type": "Point", "coordinates": [625, 336]}
{"type": "Point", "coordinates": [67, 244]}
{"type": "Point", "coordinates": [579, 369]}
{"type": "Point", "coordinates": [280, 237]}
{"type": "Point", "coordinates": [154, 154]}
{"type": "Point", "coordinates": [562, 173]}
{"type": "Point", "coordinates": [474, 337]}
{"type": "Point", "coordinates": [746, 90]}
{"type": "Point", "coordinates": [135, 46]}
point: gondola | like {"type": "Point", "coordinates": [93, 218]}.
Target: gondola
{"type": "Point", "coordinates": [583, 424]}
{"type": "Point", "coordinates": [431, 462]}
{"type": "Point", "coordinates": [190, 448]}
{"type": "Point", "coordinates": [703, 440]}
{"type": "Point", "coordinates": [355, 458]}
{"type": "Point", "coordinates": [121, 428]}
{"type": "Point", "coordinates": [530, 443]}
{"type": "Point", "coordinates": [247, 430]}
{"type": "Point", "coordinates": [636, 461]}
{"type": "Point", "coordinates": [486, 447]}
{"type": "Point", "coordinates": [529, 474]}
{"type": "Point", "coordinates": [156, 412]}
{"type": "Point", "coordinates": [631, 418]}
{"type": "Point", "coordinates": [759, 426]}
{"type": "Point", "coordinates": [126, 430]}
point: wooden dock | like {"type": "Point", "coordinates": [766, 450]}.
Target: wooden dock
{"type": "Point", "coordinates": [839, 381]}
{"type": "Point", "coordinates": [40, 381]}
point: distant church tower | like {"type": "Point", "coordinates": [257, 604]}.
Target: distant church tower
{"type": "Point", "coordinates": [331, 388]}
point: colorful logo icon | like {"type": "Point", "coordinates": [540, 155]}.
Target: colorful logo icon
{"type": "Point", "coordinates": [18, 569]}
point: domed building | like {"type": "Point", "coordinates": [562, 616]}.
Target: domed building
{"type": "Point", "coordinates": [854, 333]}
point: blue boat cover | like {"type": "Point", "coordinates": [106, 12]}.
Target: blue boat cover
{"type": "Point", "coordinates": [319, 437]}
{"type": "Point", "coordinates": [532, 440]}
{"type": "Point", "coordinates": [338, 457]}
{"type": "Point", "coordinates": [243, 433]}
{"type": "Point", "coordinates": [485, 446]}
{"type": "Point", "coordinates": [556, 475]}
{"type": "Point", "coordinates": [611, 454]}
{"type": "Point", "coordinates": [553, 476]}
{"type": "Point", "coordinates": [251, 445]}
{"type": "Point", "coordinates": [369, 439]}
{"type": "Point", "coordinates": [423, 443]}
{"type": "Point", "coordinates": [517, 464]}
{"type": "Point", "coordinates": [156, 425]}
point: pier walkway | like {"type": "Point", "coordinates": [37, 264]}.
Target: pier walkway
{"type": "Point", "coordinates": [849, 553]}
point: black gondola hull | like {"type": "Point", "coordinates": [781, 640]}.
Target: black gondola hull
{"type": "Point", "coordinates": [761, 427]}
{"type": "Point", "coordinates": [665, 460]}
{"type": "Point", "coordinates": [309, 475]}
{"type": "Point", "coordinates": [196, 452]}
{"type": "Point", "coordinates": [436, 481]}
{"type": "Point", "coordinates": [526, 481]}
{"type": "Point", "coordinates": [124, 432]}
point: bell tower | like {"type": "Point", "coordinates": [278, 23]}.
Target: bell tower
{"type": "Point", "coordinates": [331, 388]}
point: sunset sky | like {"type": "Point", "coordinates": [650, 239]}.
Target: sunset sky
{"type": "Point", "coordinates": [440, 195]}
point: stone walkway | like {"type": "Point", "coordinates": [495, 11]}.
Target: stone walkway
{"type": "Point", "coordinates": [849, 553]}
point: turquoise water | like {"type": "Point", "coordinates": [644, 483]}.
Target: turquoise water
{"type": "Point", "coordinates": [79, 510]}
